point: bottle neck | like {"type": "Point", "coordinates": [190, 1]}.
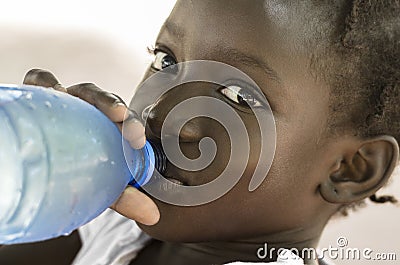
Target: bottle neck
{"type": "Point", "coordinates": [160, 157]}
{"type": "Point", "coordinates": [154, 159]}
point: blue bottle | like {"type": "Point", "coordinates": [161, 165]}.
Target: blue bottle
{"type": "Point", "coordinates": [62, 163]}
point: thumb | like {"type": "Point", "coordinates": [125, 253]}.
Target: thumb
{"type": "Point", "coordinates": [137, 206]}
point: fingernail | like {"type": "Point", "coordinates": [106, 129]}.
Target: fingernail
{"type": "Point", "coordinates": [118, 99]}
{"type": "Point", "coordinates": [117, 112]}
{"type": "Point", "coordinates": [119, 104]}
{"type": "Point", "coordinates": [152, 218]}
{"type": "Point", "coordinates": [138, 143]}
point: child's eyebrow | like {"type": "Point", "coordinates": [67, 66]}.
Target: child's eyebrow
{"type": "Point", "coordinates": [232, 54]}
{"type": "Point", "coordinates": [174, 29]}
{"type": "Point", "coordinates": [235, 55]}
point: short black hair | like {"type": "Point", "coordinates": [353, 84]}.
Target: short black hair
{"type": "Point", "coordinates": [371, 41]}
{"type": "Point", "coordinates": [365, 80]}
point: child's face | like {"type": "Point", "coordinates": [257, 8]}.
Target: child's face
{"type": "Point", "coordinates": [270, 34]}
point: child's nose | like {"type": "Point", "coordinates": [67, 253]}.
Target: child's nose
{"type": "Point", "coordinates": [189, 129]}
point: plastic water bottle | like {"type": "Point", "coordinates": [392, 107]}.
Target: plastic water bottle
{"type": "Point", "coordinates": [62, 163]}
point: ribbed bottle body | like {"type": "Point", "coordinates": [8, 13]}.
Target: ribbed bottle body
{"type": "Point", "coordinates": [62, 163]}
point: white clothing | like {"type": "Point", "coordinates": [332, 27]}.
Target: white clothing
{"type": "Point", "coordinates": [112, 239]}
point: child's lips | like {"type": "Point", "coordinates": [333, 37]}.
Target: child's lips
{"type": "Point", "coordinates": [176, 181]}
{"type": "Point", "coordinates": [173, 175]}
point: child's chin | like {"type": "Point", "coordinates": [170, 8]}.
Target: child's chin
{"type": "Point", "coordinates": [168, 233]}
{"type": "Point", "coordinates": [159, 232]}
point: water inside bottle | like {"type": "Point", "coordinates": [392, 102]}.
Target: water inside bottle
{"type": "Point", "coordinates": [32, 124]}
{"type": "Point", "coordinates": [23, 163]}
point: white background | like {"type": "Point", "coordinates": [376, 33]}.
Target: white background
{"type": "Point", "coordinates": [80, 40]}
{"type": "Point", "coordinates": [105, 42]}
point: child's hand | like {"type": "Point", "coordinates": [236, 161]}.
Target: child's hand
{"type": "Point", "coordinates": [132, 203]}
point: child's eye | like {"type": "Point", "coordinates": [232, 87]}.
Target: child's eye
{"type": "Point", "coordinates": [162, 60]}
{"type": "Point", "coordinates": [240, 96]}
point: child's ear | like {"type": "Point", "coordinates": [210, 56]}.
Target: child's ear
{"type": "Point", "coordinates": [360, 174]}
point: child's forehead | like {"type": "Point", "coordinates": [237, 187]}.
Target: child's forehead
{"type": "Point", "coordinates": [300, 20]}
{"type": "Point", "coordinates": [272, 9]}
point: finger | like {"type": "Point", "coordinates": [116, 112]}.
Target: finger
{"type": "Point", "coordinates": [43, 78]}
{"type": "Point", "coordinates": [133, 130]}
{"type": "Point", "coordinates": [113, 107]}
{"type": "Point", "coordinates": [59, 87]}
{"type": "Point", "coordinates": [135, 205]}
